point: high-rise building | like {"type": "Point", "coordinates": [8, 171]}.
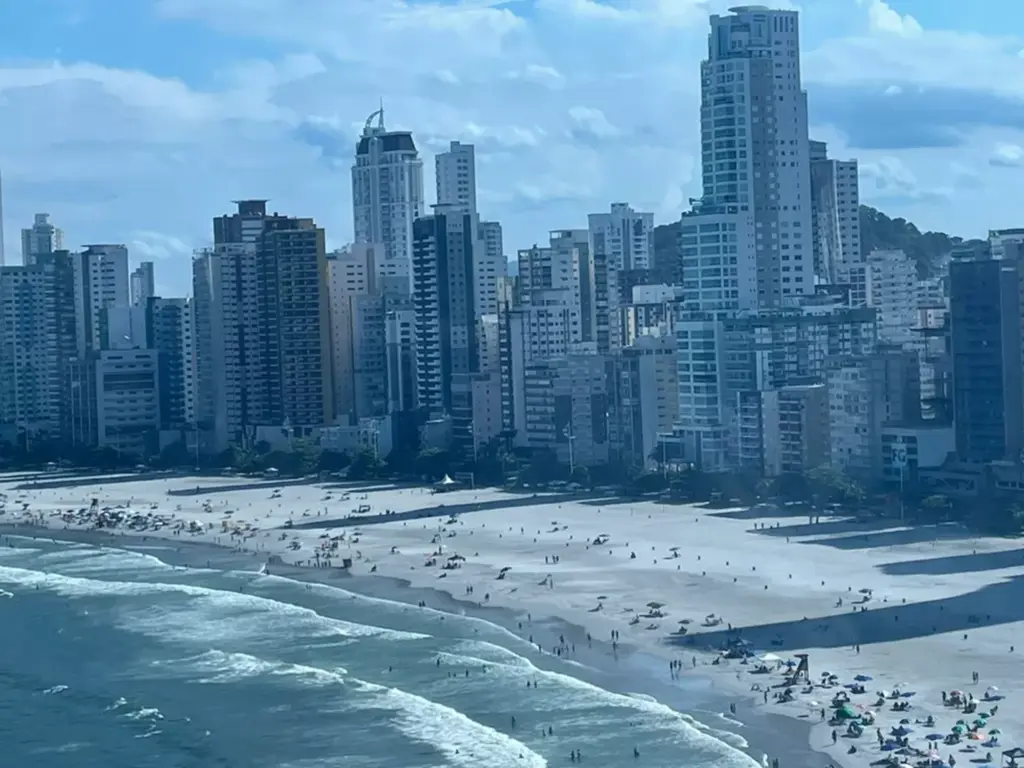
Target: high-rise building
{"type": "Point", "coordinates": [644, 400]}
{"type": "Point", "coordinates": [143, 285]}
{"type": "Point", "coordinates": [170, 330]}
{"type": "Point", "coordinates": [387, 190]}
{"type": "Point", "coordinates": [294, 322]}
{"type": "Point", "coordinates": [262, 327]}
{"type": "Point", "coordinates": [887, 281]}
{"type": "Point", "coordinates": [755, 154]}
{"type": "Point", "coordinates": [225, 291]}
{"type": "Point", "coordinates": [454, 286]}
{"type": "Point", "coordinates": [566, 408]}
{"type": "Point", "coordinates": [41, 237]}
{"type": "Point", "coordinates": [621, 241]}
{"type": "Point", "coordinates": [985, 343]}
{"type": "Point", "coordinates": [37, 344]}
{"type": "Point", "coordinates": [127, 387]}
{"type": "Point", "coordinates": [835, 202]}
{"type": "Point", "coordinates": [101, 282]}
{"type": "Point", "coordinates": [865, 393]}
{"type": "Point", "coordinates": [351, 273]}
{"type": "Point", "coordinates": [456, 177]}
{"type": "Point", "coordinates": [627, 236]}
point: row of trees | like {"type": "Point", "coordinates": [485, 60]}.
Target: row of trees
{"type": "Point", "coordinates": [496, 464]}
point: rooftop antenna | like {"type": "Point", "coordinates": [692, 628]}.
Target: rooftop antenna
{"type": "Point", "coordinates": [368, 129]}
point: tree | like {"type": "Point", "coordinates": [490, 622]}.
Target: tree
{"type": "Point", "coordinates": [791, 486]}
{"type": "Point", "coordinates": [936, 504]}
{"type": "Point", "coordinates": [581, 476]}
{"type": "Point", "coordinates": [365, 464]}
{"type": "Point", "coordinates": [306, 456]}
{"type": "Point", "coordinates": [433, 463]}
{"type": "Point", "coordinates": [333, 461]}
{"type": "Point", "coordinates": [176, 454]}
{"type": "Point", "coordinates": [830, 485]}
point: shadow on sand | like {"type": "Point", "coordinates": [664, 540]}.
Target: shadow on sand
{"type": "Point", "coordinates": [72, 481]}
{"type": "Point", "coordinates": [899, 537]}
{"type": "Point", "coordinates": [992, 605]}
{"type": "Point", "coordinates": [444, 510]}
{"type": "Point", "coordinates": [944, 566]}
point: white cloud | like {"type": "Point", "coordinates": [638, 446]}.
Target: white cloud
{"type": "Point", "coordinates": [882, 18]}
{"type": "Point", "coordinates": [1007, 156]}
{"type": "Point", "coordinates": [542, 74]}
{"type": "Point", "coordinates": [593, 121]}
{"type": "Point", "coordinates": [126, 156]}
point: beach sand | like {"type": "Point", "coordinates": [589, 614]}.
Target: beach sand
{"type": "Point", "coordinates": [943, 603]}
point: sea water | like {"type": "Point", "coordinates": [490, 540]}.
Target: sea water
{"type": "Point", "coordinates": [113, 658]}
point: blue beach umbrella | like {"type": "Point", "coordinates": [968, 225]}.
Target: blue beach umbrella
{"type": "Point", "coordinates": [863, 678]}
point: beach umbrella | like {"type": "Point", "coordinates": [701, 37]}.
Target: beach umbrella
{"type": "Point", "coordinates": [958, 728]}
{"type": "Point", "coordinates": [981, 722]}
{"type": "Point", "coordinates": [935, 736]}
{"type": "Point", "coordinates": [655, 604]}
{"type": "Point", "coordinates": [994, 732]}
{"type": "Point", "coordinates": [862, 678]}
{"type": "Point", "coordinates": [904, 721]}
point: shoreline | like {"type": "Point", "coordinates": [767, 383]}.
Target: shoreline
{"type": "Point", "coordinates": [927, 605]}
{"type": "Point", "coordinates": [699, 696]}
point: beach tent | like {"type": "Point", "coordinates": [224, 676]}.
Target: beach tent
{"type": "Point", "coordinates": [846, 712]}
{"type": "Point", "coordinates": [446, 480]}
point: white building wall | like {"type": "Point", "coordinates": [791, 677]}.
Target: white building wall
{"type": "Point", "coordinates": [455, 172]}
{"type": "Point", "coordinates": [894, 295]}
{"type": "Point", "coordinates": [127, 399]}
{"type": "Point", "coordinates": [719, 260]}
{"type": "Point", "coordinates": [101, 281]}
{"type": "Point", "coordinates": [755, 143]}
{"type": "Point", "coordinates": [626, 235]}
{"type": "Point", "coordinates": [350, 273]}
{"type": "Point", "coordinates": [387, 193]}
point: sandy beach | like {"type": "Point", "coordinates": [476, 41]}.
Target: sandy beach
{"type": "Point", "coordinates": [919, 610]}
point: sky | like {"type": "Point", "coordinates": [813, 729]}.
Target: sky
{"type": "Point", "coordinates": [138, 121]}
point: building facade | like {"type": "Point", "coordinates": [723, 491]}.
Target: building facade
{"type": "Point", "coordinates": [387, 191]}
{"type": "Point", "coordinates": [755, 155]}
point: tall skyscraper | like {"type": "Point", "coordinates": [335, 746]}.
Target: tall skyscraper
{"type": "Point", "coordinates": [985, 343]}
{"type": "Point", "coordinates": [225, 291]}
{"type": "Point", "coordinates": [262, 326]}
{"type": "Point", "coordinates": [387, 189]}
{"type": "Point", "coordinates": [143, 285]}
{"type": "Point", "coordinates": [456, 177]}
{"type": "Point", "coordinates": [37, 343]}
{"type": "Point", "coordinates": [41, 237]}
{"type": "Point", "coordinates": [755, 153]}
{"type": "Point", "coordinates": [835, 202]}
{"type": "Point", "coordinates": [101, 282]}
{"type": "Point", "coordinates": [454, 286]}
{"type": "Point", "coordinates": [626, 235]}
{"type": "Point", "coordinates": [170, 330]}
{"type": "Point", "coordinates": [620, 241]}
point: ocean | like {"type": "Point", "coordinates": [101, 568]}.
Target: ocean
{"type": "Point", "coordinates": [117, 658]}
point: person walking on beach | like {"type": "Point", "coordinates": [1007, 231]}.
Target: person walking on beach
{"type": "Point", "coordinates": [835, 736]}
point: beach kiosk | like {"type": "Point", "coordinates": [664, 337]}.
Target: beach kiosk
{"type": "Point", "coordinates": [445, 484]}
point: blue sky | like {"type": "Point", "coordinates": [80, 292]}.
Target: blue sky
{"type": "Point", "coordinates": [137, 121]}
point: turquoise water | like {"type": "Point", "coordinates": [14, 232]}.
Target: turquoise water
{"type": "Point", "coordinates": [114, 658]}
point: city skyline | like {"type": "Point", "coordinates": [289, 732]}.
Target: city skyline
{"type": "Point", "coordinates": [557, 136]}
